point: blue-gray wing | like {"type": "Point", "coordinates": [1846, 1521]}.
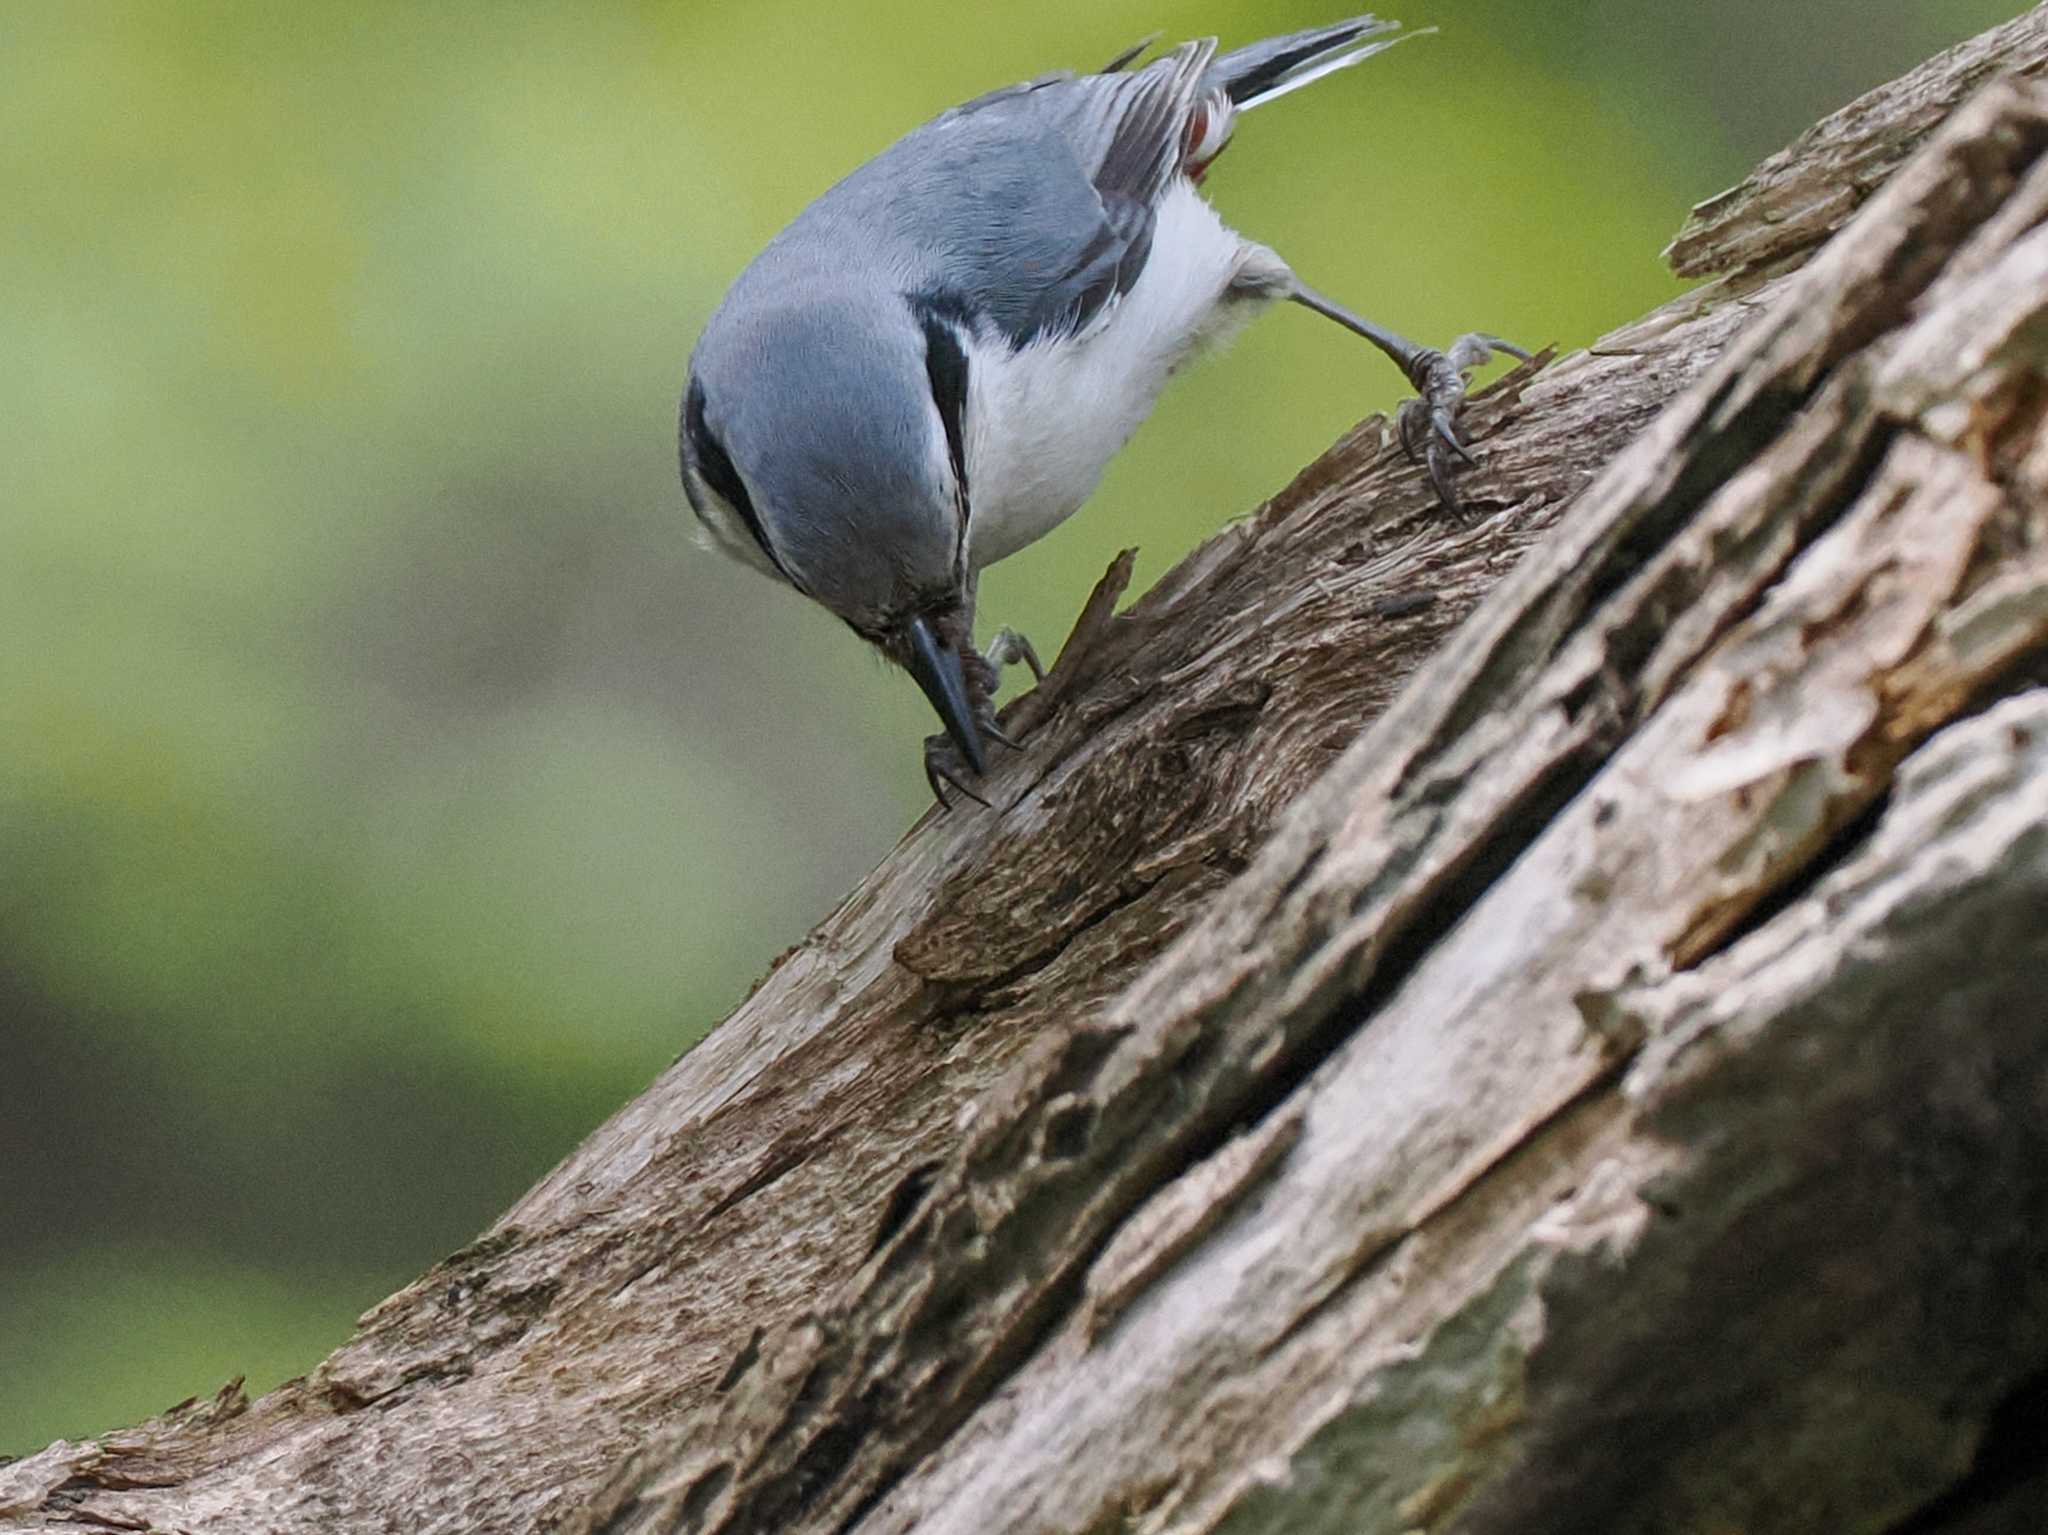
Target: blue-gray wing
{"type": "Point", "coordinates": [1025, 210]}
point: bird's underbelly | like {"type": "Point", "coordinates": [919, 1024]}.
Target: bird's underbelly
{"type": "Point", "coordinates": [1043, 422]}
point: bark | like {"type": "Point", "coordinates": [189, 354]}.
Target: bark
{"type": "Point", "coordinates": [1530, 1025]}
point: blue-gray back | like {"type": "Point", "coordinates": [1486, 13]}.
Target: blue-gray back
{"type": "Point", "coordinates": [1026, 208]}
{"type": "Point", "coordinates": [828, 390]}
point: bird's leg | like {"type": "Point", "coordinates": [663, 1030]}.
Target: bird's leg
{"type": "Point", "coordinates": [1008, 648]}
{"type": "Point", "coordinates": [1428, 424]}
{"type": "Point", "coordinates": [942, 761]}
{"type": "Point", "coordinates": [1004, 651]}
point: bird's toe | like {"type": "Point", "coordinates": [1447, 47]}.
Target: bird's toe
{"type": "Point", "coordinates": [1009, 647]}
{"type": "Point", "coordinates": [945, 768]}
{"type": "Point", "coordinates": [1428, 424]}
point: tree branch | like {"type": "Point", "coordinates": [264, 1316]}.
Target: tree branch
{"type": "Point", "coordinates": [1604, 1094]}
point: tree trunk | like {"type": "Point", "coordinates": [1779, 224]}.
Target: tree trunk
{"type": "Point", "coordinates": [1576, 1060]}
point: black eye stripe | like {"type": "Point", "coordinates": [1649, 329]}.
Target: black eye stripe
{"type": "Point", "coordinates": [701, 446]}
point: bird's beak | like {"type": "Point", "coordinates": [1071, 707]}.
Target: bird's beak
{"type": "Point", "coordinates": [936, 666]}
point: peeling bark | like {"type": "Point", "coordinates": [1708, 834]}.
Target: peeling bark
{"type": "Point", "coordinates": [1537, 1025]}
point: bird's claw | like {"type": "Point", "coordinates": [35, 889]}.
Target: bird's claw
{"type": "Point", "coordinates": [942, 766]}
{"type": "Point", "coordinates": [1428, 423]}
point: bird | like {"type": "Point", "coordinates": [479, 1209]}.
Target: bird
{"type": "Point", "coordinates": [930, 367]}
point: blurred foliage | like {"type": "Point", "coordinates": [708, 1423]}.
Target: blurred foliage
{"type": "Point", "coordinates": [390, 788]}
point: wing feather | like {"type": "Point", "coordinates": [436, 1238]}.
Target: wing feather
{"type": "Point", "coordinates": [1027, 211]}
{"type": "Point", "coordinates": [1021, 215]}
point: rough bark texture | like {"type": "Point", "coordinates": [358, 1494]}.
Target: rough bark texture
{"type": "Point", "coordinates": [1808, 190]}
{"type": "Point", "coordinates": [1613, 1094]}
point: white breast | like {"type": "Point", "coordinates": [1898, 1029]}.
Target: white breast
{"type": "Point", "coordinates": [1043, 423]}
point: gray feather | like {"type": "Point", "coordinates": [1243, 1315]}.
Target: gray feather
{"type": "Point", "coordinates": [1027, 209]}
{"type": "Point", "coordinates": [821, 403]}
{"type": "Point", "coordinates": [1130, 55]}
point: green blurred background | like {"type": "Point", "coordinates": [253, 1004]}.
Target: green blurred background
{"type": "Point", "coordinates": [389, 786]}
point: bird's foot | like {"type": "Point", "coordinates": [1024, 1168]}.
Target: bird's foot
{"type": "Point", "coordinates": [1428, 424]}
{"type": "Point", "coordinates": [1008, 648]}
{"type": "Point", "coordinates": [944, 765]}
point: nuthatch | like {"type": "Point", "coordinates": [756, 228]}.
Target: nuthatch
{"type": "Point", "coordinates": [932, 365]}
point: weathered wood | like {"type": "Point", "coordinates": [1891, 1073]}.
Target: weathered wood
{"type": "Point", "coordinates": [1500, 1135]}
{"type": "Point", "coordinates": [1811, 188]}
{"type": "Point", "coordinates": [1713, 717]}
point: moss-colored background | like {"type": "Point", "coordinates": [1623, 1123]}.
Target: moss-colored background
{"type": "Point", "coordinates": [388, 788]}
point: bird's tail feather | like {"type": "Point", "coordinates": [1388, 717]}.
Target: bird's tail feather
{"type": "Point", "coordinates": [1267, 71]}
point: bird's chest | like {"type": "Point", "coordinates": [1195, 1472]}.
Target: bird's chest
{"type": "Point", "coordinates": [1042, 423]}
